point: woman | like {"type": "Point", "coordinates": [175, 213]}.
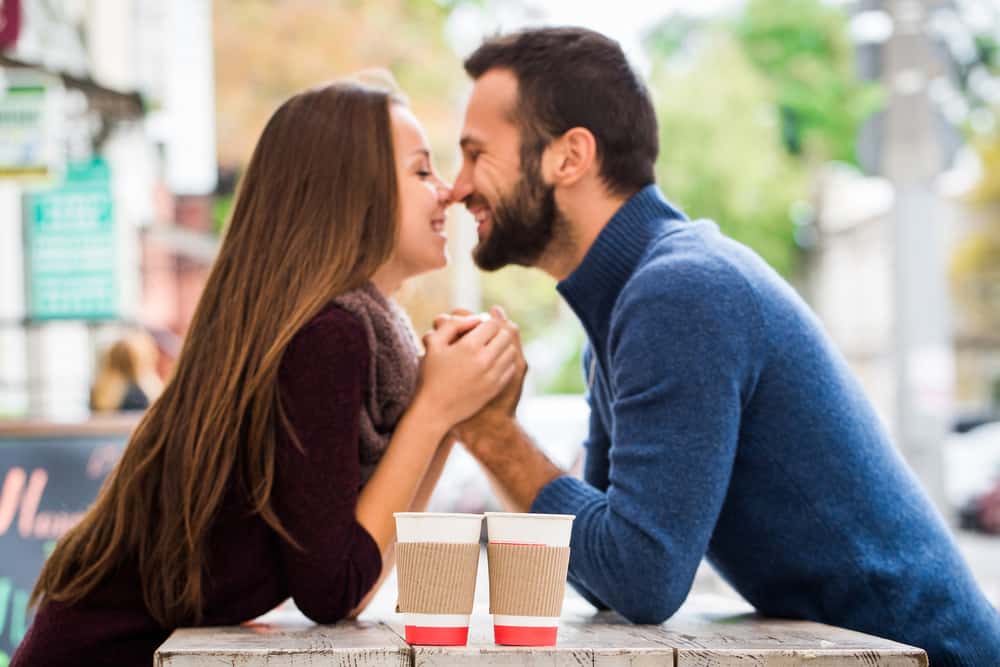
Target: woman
{"type": "Point", "coordinates": [126, 377]}
{"type": "Point", "coordinates": [243, 484]}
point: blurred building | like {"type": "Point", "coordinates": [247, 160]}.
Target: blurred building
{"type": "Point", "coordinates": [850, 276]}
{"type": "Point", "coordinates": [903, 268]}
{"type": "Point", "coordinates": [107, 159]}
{"type": "Point", "coordinates": [975, 282]}
{"type": "Point", "coordinates": [879, 267]}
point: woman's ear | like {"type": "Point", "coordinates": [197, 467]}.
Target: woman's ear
{"type": "Point", "coordinates": [570, 157]}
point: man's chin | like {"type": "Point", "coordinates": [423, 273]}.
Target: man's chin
{"type": "Point", "coordinates": [481, 264]}
{"type": "Point", "coordinates": [486, 260]}
{"type": "Point", "coordinates": [493, 253]}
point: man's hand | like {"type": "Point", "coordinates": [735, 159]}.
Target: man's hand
{"type": "Point", "coordinates": [517, 467]}
{"type": "Point", "coordinates": [505, 403]}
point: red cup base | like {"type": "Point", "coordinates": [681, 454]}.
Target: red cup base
{"type": "Point", "coordinates": [425, 636]}
{"type": "Point", "coordinates": [518, 635]}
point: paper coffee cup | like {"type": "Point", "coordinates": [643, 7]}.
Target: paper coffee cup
{"type": "Point", "coordinates": [529, 559]}
{"type": "Point", "coordinates": [437, 559]}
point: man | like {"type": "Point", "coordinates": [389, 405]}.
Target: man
{"type": "Point", "coordinates": [723, 422]}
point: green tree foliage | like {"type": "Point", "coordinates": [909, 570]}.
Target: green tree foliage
{"type": "Point", "coordinates": [721, 155]}
{"type": "Point", "coordinates": [802, 48]}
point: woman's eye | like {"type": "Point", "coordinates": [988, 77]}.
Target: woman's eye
{"type": "Point", "coordinates": [423, 173]}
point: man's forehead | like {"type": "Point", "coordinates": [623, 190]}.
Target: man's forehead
{"type": "Point", "coordinates": [499, 82]}
{"type": "Point", "coordinates": [494, 96]}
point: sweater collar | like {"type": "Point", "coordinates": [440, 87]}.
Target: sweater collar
{"type": "Point", "coordinates": [593, 287]}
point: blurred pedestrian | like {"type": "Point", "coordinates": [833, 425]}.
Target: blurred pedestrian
{"type": "Point", "coordinates": [126, 375]}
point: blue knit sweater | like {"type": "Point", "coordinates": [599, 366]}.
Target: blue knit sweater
{"type": "Point", "coordinates": [724, 423]}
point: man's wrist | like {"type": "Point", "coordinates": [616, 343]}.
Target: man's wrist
{"type": "Point", "coordinates": [489, 429]}
{"type": "Point", "coordinates": [502, 447]}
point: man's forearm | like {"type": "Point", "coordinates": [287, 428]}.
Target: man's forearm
{"type": "Point", "coordinates": [508, 453]}
{"type": "Point", "coordinates": [431, 477]}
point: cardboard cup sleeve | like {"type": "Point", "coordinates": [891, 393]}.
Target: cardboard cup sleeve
{"type": "Point", "coordinates": [527, 580]}
{"type": "Point", "coordinates": [436, 577]}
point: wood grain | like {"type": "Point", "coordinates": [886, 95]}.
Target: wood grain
{"type": "Point", "coordinates": [349, 644]}
{"type": "Point", "coordinates": [707, 632]}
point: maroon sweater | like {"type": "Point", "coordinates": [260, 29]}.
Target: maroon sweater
{"type": "Point", "coordinates": [322, 379]}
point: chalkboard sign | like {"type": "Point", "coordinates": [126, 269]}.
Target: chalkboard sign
{"type": "Point", "coordinates": [46, 483]}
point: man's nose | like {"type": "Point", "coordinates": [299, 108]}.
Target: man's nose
{"type": "Point", "coordinates": [462, 187]}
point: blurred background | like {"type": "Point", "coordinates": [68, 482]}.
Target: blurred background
{"type": "Point", "coordinates": [853, 144]}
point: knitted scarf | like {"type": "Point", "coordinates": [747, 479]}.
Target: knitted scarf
{"type": "Point", "coordinates": [392, 369]}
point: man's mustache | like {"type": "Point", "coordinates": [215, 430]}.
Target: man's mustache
{"type": "Point", "coordinates": [475, 200]}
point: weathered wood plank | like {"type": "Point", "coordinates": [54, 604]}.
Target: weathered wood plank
{"type": "Point", "coordinates": [585, 638]}
{"type": "Point", "coordinates": [707, 634]}
{"type": "Point", "coordinates": [349, 644]}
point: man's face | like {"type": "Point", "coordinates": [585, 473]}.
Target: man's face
{"type": "Point", "coordinates": [500, 183]}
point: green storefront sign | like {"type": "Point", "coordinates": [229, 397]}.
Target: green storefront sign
{"type": "Point", "coordinates": [31, 123]}
{"type": "Point", "coordinates": [70, 243]}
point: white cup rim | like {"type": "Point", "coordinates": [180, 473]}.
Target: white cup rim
{"type": "Point", "coordinates": [527, 515]}
{"type": "Point", "coordinates": [435, 515]}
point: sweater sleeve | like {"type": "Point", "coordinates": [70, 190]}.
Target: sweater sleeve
{"type": "Point", "coordinates": [680, 363]}
{"type": "Point", "coordinates": [322, 381]}
{"type": "Point", "coordinates": [595, 469]}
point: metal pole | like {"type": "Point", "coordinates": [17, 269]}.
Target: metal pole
{"type": "Point", "coordinates": [922, 357]}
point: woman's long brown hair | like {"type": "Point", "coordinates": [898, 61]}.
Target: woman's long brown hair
{"type": "Point", "coordinates": [315, 216]}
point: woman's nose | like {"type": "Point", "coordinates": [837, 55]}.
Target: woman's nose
{"type": "Point", "coordinates": [444, 192]}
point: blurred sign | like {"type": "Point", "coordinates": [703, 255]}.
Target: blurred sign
{"type": "Point", "coordinates": [45, 486]}
{"type": "Point", "coordinates": [70, 247]}
{"type": "Point", "coordinates": [30, 122]}
{"type": "Point", "coordinates": [10, 22]}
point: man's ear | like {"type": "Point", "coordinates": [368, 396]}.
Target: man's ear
{"type": "Point", "coordinates": [570, 157]}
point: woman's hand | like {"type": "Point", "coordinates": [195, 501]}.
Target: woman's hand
{"type": "Point", "coordinates": [506, 401]}
{"type": "Point", "coordinates": [467, 363]}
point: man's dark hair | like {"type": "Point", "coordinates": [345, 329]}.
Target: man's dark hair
{"type": "Point", "coordinates": [574, 77]}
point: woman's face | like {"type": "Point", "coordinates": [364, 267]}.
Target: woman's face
{"type": "Point", "coordinates": [423, 197]}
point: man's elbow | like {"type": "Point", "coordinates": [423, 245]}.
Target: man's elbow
{"type": "Point", "coordinates": [652, 611]}
{"type": "Point", "coordinates": [657, 600]}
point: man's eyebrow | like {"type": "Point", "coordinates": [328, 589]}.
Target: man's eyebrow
{"type": "Point", "coordinates": [468, 141]}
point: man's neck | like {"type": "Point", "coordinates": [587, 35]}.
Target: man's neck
{"type": "Point", "coordinates": [585, 214]}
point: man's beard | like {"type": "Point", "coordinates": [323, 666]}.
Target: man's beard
{"type": "Point", "coordinates": [523, 224]}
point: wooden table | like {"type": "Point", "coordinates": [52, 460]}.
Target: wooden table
{"type": "Point", "coordinates": [707, 632]}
